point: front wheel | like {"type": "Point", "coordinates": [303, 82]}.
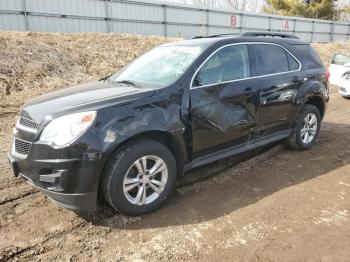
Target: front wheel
{"type": "Point", "coordinates": [306, 129]}
{"type": "Point", "coordinates": [139, 177]}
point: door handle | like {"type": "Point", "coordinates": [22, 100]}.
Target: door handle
{"type": "Point", "coordinates": [247, 91]}
{"type": "Point", "coordinates": [295, 79]}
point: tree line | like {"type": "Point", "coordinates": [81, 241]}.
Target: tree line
{"type": "Point", "coordinates": [317, 9]}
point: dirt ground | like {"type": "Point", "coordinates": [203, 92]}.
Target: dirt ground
{"type": "Point", "coordinates": [270, 205]}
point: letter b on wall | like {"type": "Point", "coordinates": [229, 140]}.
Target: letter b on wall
{"type": "Point", "coordinates": [234, 22]}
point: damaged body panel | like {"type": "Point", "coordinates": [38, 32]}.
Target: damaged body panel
{"type": "Point", "coordinates": [222, 115]}
{"type": "Point", "coordinates": [203, 99]}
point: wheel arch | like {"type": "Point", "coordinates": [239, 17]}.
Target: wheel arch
{"type": "Point", "coordinates": [173, 142]}
{"type": "Point", "coordinates": [312, 93]}
{"type": "Point", "coordinates": [318, 102]}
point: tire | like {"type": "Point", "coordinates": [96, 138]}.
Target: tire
{"type": "Point", "coordinates": [125, 179]}
{"type": "Point", "coordinates": [297, 140]}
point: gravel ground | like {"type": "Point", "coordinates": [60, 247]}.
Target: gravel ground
{"type": "Point", "coordinates": [269, 205]}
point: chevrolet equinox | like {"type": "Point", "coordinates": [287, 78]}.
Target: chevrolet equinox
{"type": "Point", "coordinates": [129, 136]}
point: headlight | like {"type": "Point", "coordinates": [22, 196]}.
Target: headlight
{"type": "Point", "coordinates": [65, 129]}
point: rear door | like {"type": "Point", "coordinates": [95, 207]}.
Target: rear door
{"type": "Point", "coordinates": [340, 64]}
{"type": "Point", "coordinates": [222, 101]}
{"type": "Point", "coordinates": [279, 76]}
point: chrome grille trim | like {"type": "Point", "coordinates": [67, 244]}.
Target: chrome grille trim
{"type": "Point", "coordinates": [26, 124]}
{"type": "Point", "coordinates": [21, 147]}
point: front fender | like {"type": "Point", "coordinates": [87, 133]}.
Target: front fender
{"type": "Point", "coordinates": [156, 115]}
{"type": "Point", "coordinates": [136, 119]}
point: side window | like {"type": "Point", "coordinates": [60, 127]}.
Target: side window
{"type": "Point", "coordinates": [229, 63]}
{"type": "Point", "coordinates": [293, 64]}
{"type": "Point", "coordinates": [340, 59]}
{"type": "Point", "coordinates": [270, 59]}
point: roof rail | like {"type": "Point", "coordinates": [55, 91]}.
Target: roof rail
{"type": "Point", "coordinates": [252, 34]}
{"type": "Point", "coordinates": [212, 36]}
{"type": "Point", "coordinates": [199, 36]}
{"type": "Point", "coordinates": [271, 34]}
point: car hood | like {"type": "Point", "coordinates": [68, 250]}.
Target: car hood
{"type": "Point", "coordinates": [83, 97]}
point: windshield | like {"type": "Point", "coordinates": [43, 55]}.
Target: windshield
{"type": "Point", "coordinates": [159, 67]}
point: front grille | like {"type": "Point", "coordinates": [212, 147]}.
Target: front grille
{"type": "Point", "coordinates": [22, 147]}
{"type": "Point", "coordinates": [28, 123]}
{"type": "Point", "coordinates": [342, 89]}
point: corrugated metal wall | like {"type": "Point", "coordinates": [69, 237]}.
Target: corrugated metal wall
{"type": "Point", "coordinates": [154, 18]}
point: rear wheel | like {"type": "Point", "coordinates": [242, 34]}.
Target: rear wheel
{"type": "Point", "coordinates": [139, 177]}
{"type": "Point", "coordinates": [306, 129]}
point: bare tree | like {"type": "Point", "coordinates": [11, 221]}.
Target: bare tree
{"type": "Point", "coordinates": [343, 9]}
{"type": "Point", "coordinates": [235, 5]}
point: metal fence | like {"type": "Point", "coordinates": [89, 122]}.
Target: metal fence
{"type": "Point", "coordinates": [155, 18]}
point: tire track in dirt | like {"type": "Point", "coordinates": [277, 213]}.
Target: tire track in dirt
{"type": "Point", "coordinates": [38, 245]}
{"type": "Point", "coordinates": [17, 197]}
{"type": "Point", "coordinates": [36, 204]}
{"type": "Point", "coordinates": [15, 192]}
{"type": "Point", "coordinates": [6, 183]}
{"type": "Point", "coordinates": [38, 248]}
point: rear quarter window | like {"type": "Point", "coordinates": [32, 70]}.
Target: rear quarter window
{"type": "Point", "coordinates": [293, 64]}
{"type": "Point", "coordinates": [308, 56]}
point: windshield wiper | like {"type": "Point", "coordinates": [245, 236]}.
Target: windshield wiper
{"type": "Point", "coordinates": [129, 82]}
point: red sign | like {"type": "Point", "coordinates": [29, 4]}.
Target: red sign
{"type": "Point", "coordinates": [233, 20]}
{"type": "Point", "coordinates": [285, 25]}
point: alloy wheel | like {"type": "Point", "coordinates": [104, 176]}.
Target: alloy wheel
{"type": "Point", "coordinates": [145, 180]}
{"type": "Point", "coordinates": [309, 129]}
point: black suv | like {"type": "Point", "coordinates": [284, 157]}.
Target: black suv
{"type": "Point", "coordinates": [129, 136]}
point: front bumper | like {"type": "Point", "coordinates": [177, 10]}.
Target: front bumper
{"type": "Point", "coordinates": [85, 201]}
{"type": "Point", "coordinates": [70, 179]}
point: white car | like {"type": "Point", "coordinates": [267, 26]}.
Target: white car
{"type": "Point", "coordinates": [339, 74]}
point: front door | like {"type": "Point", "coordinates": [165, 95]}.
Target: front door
{"type": "Point", "coordinates": [223, 101]}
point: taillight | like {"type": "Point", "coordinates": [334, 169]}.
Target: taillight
{"type": "Point", "coordinates": [327, 75]}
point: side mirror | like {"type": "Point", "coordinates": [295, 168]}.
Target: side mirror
{"type": "Point", "coordinates": [347, 64]}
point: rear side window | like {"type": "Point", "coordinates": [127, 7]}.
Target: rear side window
{"type": "Point", "coordinates": [308, 56]}
{"type": "Point", "coordinates": [272, 59]}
